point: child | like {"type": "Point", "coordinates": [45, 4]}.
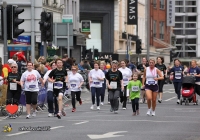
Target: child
{"type": "Point", "coordinates": [133, 88]}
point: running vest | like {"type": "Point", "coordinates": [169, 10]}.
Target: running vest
{"type": "Point", "coordinates": [150, 75]}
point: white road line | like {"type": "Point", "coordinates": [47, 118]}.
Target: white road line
{"type": "Point", "coordinates": [81, 122]}
{"type": "Point", "coordinates": [56, 127]}
{"type": "Point", "coordinates": [19, 133]}
{"type": "Point", "coordinates": [170, 98]}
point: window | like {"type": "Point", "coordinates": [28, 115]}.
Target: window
{"type": "Point", "coordinates": [162, 30]}
{"type": "Point", "coordinates": [178, 18]}
{"type": "Point", "coordinates": [154, 28]}
{"type": "Point", "coordinates": [191, 9]}
{"type": "Point", "coordinates": [191, 3]}
{"type": "Point", "coordinates": [190, 32]}
{"type": "Point", "coordinates": [192, 41]}
{"type": "Point", "coordinates": [190, 25]}
{"type": "Point", "coordinates": [179, 2]}
{"type": "Point", "coordinates": [178, 25]}
{"type": "Point", "coordinates": [162, 4]}
{"type": "Point", "coordinates": [179, 41]}
{"type": "Point", "coordinates": [154, 3]}
{"type": "Point", "coordinates": [178, 32]}
{"type": "Point", "coordinates": [191, 18]}
{"type": "Point", "coordinates": [179, 9]}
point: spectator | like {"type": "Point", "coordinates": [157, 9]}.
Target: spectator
{"type": "Point", "coordinates": [64, 59]}
{"type": "Point", "coordinates": [80, 66]}
{"type": "Point", "coordinates": [85, 65]}
{"type": "Point", "coordinates": [21, 62]}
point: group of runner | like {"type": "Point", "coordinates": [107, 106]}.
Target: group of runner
{"type": "Point", "coordinates": [137, 84]}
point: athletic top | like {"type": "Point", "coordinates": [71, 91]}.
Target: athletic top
{"type": "Point", "coordinates": [150, 75]}
{"type": "Point", "coordinates": [141, 68]}
{"type": "Point", "coordinates": [94, 74]}
{"type": "Point", "coordinates": [12, 85]}
{"type": "Point", "coordinates": [162, 68]}
{"type": "Point", "coordinates": [74, 81]}
{"type": "Point", "coordinates": [30, 79]}
{"type": "Point", "coordinates": [49, 84]}
{"type": "Point", "coordinates": [134, 88]}
{"type": "Point", "coordinates": [59, 76]}
{"type": "Point", "coordinates": [178, 73]}
{"type": "Point", "coordinates": [126, 73]}
{"type": "Point", "coordinates": [193, 71]}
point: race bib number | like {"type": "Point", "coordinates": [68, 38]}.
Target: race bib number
{"type": "Point", "coordinates": [178, 75]}
{"type": "Point", "coordinates": [113, 85]}
{"type": "Point", "coordinates": [135, 88]}
{"type": "Point", "coordinates": [58, 85]}
{"type": "Point", "coordinates": [73, 85]}
{"type": "Point", "coordinates": [13, 86]}
{"type": "Point", "coordinates": [96, 82]}
{"type": "Point", "coordinates": [125, 79]}
{"type": "Point", "coordinates": [151, 82]}
{"type": "Point", "coordinates": [32, 87]}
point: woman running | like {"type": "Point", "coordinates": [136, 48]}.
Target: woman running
{"type": "Point", "coordinates": [14, 88]}
{"type": "Point", "coordinates": [103, 89]}
{"type": "Point", "coordinates": [96, 76]}
{"type": "Point", "coordinates": [29, 81]}
{"type": "Point", "coordinates": [195, 71]}
{"type": "Point", "coordinates": [151, 74]}
{"type": "Point", "coordinates": [162, 68]}
{"type": "Point", "coordinates": [75, 81]}
{"type": "Point", "coordinates": [126, 73]}
{"type": "Point", "coordinates": [177, 73]}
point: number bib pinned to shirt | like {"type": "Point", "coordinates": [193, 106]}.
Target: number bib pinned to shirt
{"type": "Point", "coordinates": [13, 86]}
{"type": "Point", "coordinates": [58, 85]}
{"type": "Point", "coordinates": [113, 85]}
{"type": "Point", "coordinates": [178, 75]}
{"type": "Point", "coordinates": [151, 82]}
{"type": "Point", "coordinates": [135, 88]}
{"type": "Point", "coordinates": [32, 87]}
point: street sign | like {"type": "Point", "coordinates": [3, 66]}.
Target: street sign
{"type": "Point", "coordinates": [67, 18]}
{"type": "Point", "coordinates": [85, 26]}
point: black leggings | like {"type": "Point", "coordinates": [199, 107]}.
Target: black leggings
{"type": "Point", "coordinates": [160, 85]}
{"type": "Point", "coordinates": [31, 97]}
{"type": "Point", "coordinates": [78, 95]}
{"type": "Point", "coordinates": [13, 96]}
{"type": "Point", "coordinates": [135, 104]}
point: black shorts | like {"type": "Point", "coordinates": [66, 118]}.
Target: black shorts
{"type": "Point", "coordinates": [57, 91]}
{"type": "Point", "coordinates": [153, 88]}
{"type": "Point", "coordinates": [31, 97]}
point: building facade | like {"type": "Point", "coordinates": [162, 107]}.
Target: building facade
{"type": "Point", "coordinates": [187, 29]}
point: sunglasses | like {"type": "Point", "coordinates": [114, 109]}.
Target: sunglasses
{"type": "Point", "coordinates": [73, 70]}
{"type": "Point", "coordinates": [13, 67]}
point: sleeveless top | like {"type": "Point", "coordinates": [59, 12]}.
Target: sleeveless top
{"type": "Point", "coordinates": [150, 75]}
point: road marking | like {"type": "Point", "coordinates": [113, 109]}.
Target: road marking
{"type": "Point", "coordinates": [107, 135]}
{"type": "Point", "coordinates": [170, 98]}
{"type": "Point", "coordinates": [19, 133]}
{"type": "Point", "coordinates": [56, 127]}
{"type": "Point", "coordinates": [81, 122]}
{"type": "Point", "coordinates": [32, 122]}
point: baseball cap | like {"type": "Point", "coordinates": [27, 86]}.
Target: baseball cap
{"type": "Point", "coordinates": [10, 61]}
{"type": "Point", "coordinates": [114, 62]}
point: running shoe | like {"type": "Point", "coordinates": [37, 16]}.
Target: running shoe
{"type": "Point", "coordinates": [134, 113]}
{"type": "Point", "coordinates": [59, 115]}
{"type": "Point", "coordinates": [145, 101]}
{"type": "Point", "coordinates": [34, 114]}
{"type": "Point", "coordinates": [80, 102]}
{"type": "Point", "coordinates": [149, 112]}
{"type": "Point", "coordinates": [28, 116]}
{"type": "Point", "coordinates": [116, 112]}
{"type": "Point", "coordinates": [73, 109]}
{"type": "Point", "coordinates": [98, 107]}
{"type": "Point", "coordinates": [153, 113]}
{"type": "Point", "coordinates": [124, 108]}
{"type": "Point", "coordinates": [141, 101]}
{"type": "Point", "coordinates": [92, 107]}
{"type": "Point", "coordinates": [101, 103]}
{"type": "Point", "coordinates": [178, 101]}
{"type": "Point", "coordinates": [137, 111]}
{"type": "Point", "coordinates": [111, 109]}
{"type": "Point", "coordinates": [63, 113]}
{"type": "Point", "coordinates": [50, 115]}
{"type": "Point", "coordinates": [160, 100]}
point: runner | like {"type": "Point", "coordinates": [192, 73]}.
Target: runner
{"type": "Point", "coordinates": [14, 88]}
{"type": "Point", "coordinates": [133, 88]}
{"type": "Point", "coordinates": [75, 82]}
{"type": "Point", "coordinates": [29, 81]}
{"type": "Point", "coordinates": [115, 86]}
{"type": "Point", "coordinates": [126, 73]}
{"type": "Point", "coordinates": [96, 77]}
{"type": "Point", "coordinates": [194, 70]}
{"type": "Point", "coordinates": [151, 85]}
{"type": "Point", "coordinates": [103, 89]}
{"type": "Point", "coordinates": [177, 73]}
{"type": "Point", "coordinates": [50, 98]}
{"type": "Point", "coordinates": [58, 77]}
{"type": "Point", "coordinates": [162, 68]}
{"type": "Point", "coordinates": [141, 68]}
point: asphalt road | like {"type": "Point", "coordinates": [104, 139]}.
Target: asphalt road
{"type": "Point", "coordinates": [172, 122]}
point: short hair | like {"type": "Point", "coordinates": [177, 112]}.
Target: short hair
{"type": "Point", "coordinates": [65, 56]}
{"type": "Point", "coordinates": [96, 62]}
{"type": "Point", "coordinates": [162, 58]}
{"type": "Point", "coordinates": [135, 73]}
{"type": "Point", "coordinates": [14, 57]}
{"type": "Point", "coordinates": [29, 62]}
{"type": "Point", "coordinates": [52, 62]}
{"type": "Point", "coordinates": [152, 59]}
{"type": "Point", "coordinates": [14, 64]}
{"type": "Point", "coordinates": [177, 60]}
{"type": "Point", "coordinates": [75, 66]}
{"type": "Point", "coordinates": [58, 59]}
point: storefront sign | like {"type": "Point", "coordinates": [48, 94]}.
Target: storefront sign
{"type": "Point", "coordinates": [132, 12]}
{"type": "Point", "coordinates": [85, 26]}
{"type": "Point", "coordinates": [170, 12]}
{"type": "Point", "coordinates": [26, 40]}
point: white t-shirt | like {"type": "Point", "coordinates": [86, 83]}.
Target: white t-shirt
{"type": "Point", "coordinates": [126, 73]}
{"type": "Point", "coordinates": [49, 84]}
{"type": "Point", "coordinates": [30, 79]}
{"type": "Point", "coordinates": [74, 81]}
{"type": "Point", "coordinates": [94, 74]}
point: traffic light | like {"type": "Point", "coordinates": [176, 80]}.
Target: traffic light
{"type": "Point", "coordinates": [96, 52]}
{"type": "Point", "coordinates": [172, 55]}
{"type": "Point", "coordinates": [138, 46]}
{"type": "Point", "coordinates": [46, 26]}
{"type": "Point", "coordinates": [16, 21]}
{"type": "Point", "coordinates": [89, 54]}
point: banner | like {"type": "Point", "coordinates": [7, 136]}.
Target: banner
{"type": "Point", "coordinates": [170, 12]}
{"type": "Point", "coordinates": [132, 12]}
{"type": "Point", "coordinates": [26, 40]}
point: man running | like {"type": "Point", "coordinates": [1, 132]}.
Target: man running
{"type": "Point", "coordinates": [141, 68]}
{"type": "Point", "coordinates": [58, 77]}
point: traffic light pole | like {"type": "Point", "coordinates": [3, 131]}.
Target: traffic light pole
{"type": "Point", "coordinates": [68, 47]}
{"type": "Point", "coordinates": [32, 31]}
{"type": "Point", "coordinates": [45, 49]}
{"type": "Point", "coordinates": [5, 31]}
{"type": "Point", "coordinates": [129, 49]}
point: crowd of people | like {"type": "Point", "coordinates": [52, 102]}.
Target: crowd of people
{"type": "Point", "coordinates": [123, 80]}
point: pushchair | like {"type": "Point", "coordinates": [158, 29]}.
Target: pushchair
{"type": "Point", "coordinates": [188, 90]}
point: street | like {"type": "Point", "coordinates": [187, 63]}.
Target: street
{"type": "Point", "coordinates": [172, 122]}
